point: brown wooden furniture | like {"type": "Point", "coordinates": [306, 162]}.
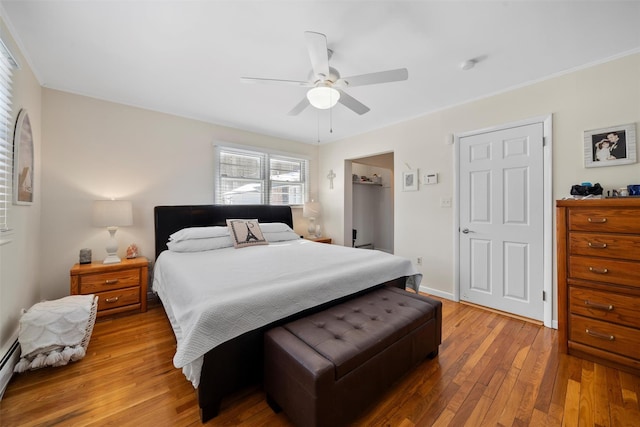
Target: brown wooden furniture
{"type": "Point", "coordinates": [599, 280]}
{"type": "Point", "coordinates": [120, 287]}
{"type": "Point", "coordinates": [320, 239]}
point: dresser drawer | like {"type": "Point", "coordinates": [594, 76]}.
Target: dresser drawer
{"type": "Point", "coordinates": [605, 245]}
{"type": "Point", "coordinates": [606, 306]}
{"type": "Point", "coordinates": [118, 298]}
{"type": "Point", "coordinates": [610, 220]}
{"type": "Point", "coordinates": [607, 336]}
{"type": "Point", "coordinates": [93, 283]}
{"type": "Point", "coordinates": [605, 270]}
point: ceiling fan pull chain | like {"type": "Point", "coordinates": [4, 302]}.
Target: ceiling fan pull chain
{"type": "Point", "coordinates": [331, 120]}
{"type": "Point", "coordinates": [318, 125]}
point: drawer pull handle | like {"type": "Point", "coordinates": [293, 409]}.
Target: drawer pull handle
{"type": "Point", "coordinates": [597, 306]}
{"type": "Point", "coordinates": [597, 245]}
{"type": "Point", "coordinates": [600, 335]}
{"type": "Point", "coordinates": [598, 270]}
{"type": "Point", "coordinates": [597, 220]}
{"type": "Point", "coordinates": [114, 299]}
{"type": "Point", "coordinates": [111, 282]}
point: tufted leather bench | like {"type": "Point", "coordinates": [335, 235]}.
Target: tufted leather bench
{"type": "Point", "coordinates": [324, 369]}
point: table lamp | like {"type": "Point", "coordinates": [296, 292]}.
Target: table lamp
{"type": "Point", "coordinates": [112, 214]}
{"type": "Point", "coordinates": [312, 210]}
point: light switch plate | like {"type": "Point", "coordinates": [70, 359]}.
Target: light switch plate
{"type": "Point", "coordinates": [429, 178]}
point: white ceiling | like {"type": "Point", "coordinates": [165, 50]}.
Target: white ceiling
{"type": "Point", "coordinates": [186, 57]}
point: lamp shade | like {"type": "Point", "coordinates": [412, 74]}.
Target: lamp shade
{"type": "Point", "coordinates": [112, 213]}
{"type": "Point", "coordinates": [311, 209]}
{"type": "Point", "coordinates": [323, 97]}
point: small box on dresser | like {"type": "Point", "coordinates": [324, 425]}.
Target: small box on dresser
{"type": "Point", "coordinates": [120, 287]}
{"type": "Point", "coordinates": [599, 280]}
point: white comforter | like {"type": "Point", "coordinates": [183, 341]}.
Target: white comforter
{"type": "Point", "coordinates": [214, 296]}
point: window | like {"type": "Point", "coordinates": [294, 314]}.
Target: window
{"type": "Point", "coordinates": [249, 177]}
{"type": "Point", "coordinates": [7, 63]}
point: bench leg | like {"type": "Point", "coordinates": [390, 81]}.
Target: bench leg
{"type": "Point", "coordinates": [433, 354]}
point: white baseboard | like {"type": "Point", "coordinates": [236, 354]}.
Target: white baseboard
{"type": "Point", "coordinates": [9, 361]}
{"type": "Point", "coordinates": [437, 293]}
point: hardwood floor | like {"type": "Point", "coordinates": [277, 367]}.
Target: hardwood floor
{"type": "Point", "coordinates": [492, 370]}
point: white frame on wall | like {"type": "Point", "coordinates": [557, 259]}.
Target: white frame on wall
{"type": "Point", "coordinates": [593, 140]}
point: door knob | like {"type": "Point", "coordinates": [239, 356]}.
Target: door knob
{"type": "Point", "coordinates": [466, 231]}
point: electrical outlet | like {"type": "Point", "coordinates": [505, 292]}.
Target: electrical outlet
{"type": "Point", "coordinates": [419, 260]}
{"type": "Point", "coordinates": [445, 202]}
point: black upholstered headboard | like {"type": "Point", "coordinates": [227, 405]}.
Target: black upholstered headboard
{"type": "Point", "coordinates": [169, 219]}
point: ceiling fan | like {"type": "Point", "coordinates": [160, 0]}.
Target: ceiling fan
{"type": "Point", "coordinates": [325, 81]}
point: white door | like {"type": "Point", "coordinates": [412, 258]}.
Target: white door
{"type": "Point", "coordinates": [501, 220]}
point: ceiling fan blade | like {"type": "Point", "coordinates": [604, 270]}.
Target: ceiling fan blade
{"type": "Point", "coordinates": [275, 81]}
{"type": "Point", "coordinates": [352, 103]}
{"type": "Point", "coordinates": [375, 78]}
{"type": "Point", "coordinates": [317, 47]}
{"type": "Point", "coordinates": [299, 107]}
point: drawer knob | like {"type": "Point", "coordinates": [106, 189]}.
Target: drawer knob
{"type": "Point", "coordinates": [598, 306]}
{"type": "Point", "coordinates": [114, 299]}
{"type": "Point", "coordinates": [600, 335]}
{"type": "Point", "coordinates": [598, 270]}
{"type": "Point", "coordinates": [111, 282]}
{"type": "Point", "coordinates": [597, 245]}
{"type": "Point", "coordinates": [597, 220]}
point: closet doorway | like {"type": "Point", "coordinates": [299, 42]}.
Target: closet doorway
{"type": "Point", "coordinates": [372, 201]}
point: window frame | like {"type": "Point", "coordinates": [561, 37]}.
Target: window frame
{"type": "Point", "coordinates": [267, 156]}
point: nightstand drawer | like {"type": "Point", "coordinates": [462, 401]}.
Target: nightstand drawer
{"type": "Point", "coordinates": [606, 306]}
{"type": "Point", "coordinates": [606, 336]}
{"type": "Point", "coordinates": [93, 283]}
{"type": "Point", "coordinates": [118, 298]}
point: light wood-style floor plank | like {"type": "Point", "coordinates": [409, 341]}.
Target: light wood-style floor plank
{"type": "Point", "coordinates": [492, 370]}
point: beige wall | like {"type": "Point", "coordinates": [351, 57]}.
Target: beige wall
{"type": "Point", "coordinates": [599, 96]}
{"type": "Point", "coordinates": [20, 252]}
{"type": "Point", "coordinates": [94, 149]}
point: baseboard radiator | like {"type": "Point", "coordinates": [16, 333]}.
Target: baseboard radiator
{"type": "Point", "coordinates": [9, 361]}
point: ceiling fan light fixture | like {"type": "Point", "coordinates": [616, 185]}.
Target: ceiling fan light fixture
{"type": "Point", "coordinates": [323, 97]}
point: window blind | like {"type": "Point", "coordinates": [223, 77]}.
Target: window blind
{"type": "Point", "coordinates": [7, 64]}
{"type": "Point", "coordinates": [248, 177]}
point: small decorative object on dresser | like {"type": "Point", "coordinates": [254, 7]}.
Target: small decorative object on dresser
{"type": "Point", "coordinates": [85, 256]}
{"type": "Point", "coordinates": [132, 251]}
{"type": "Point", "coordinates": [599, 280]}
{"type": "Point", "coordinates": [120, 287]}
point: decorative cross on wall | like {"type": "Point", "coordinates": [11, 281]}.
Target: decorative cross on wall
{"type": "Point", "coordinates": [330, 178]}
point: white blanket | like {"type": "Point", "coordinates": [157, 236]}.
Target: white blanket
{"type": "Point", "coordinates": [214, 296]}
{"type": "Point", "coordinates": [52, 333]}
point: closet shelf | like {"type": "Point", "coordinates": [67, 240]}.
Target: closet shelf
{"type": "Point", "coordinates": [367, 183]}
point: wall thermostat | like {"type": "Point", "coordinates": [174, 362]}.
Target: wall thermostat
{"type": "Point", "coordinates": [429, 178]}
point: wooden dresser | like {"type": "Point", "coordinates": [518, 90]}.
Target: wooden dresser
{"type": "Point", "coordinates": [120, 287]}
{"type": "Point", "coordinates": [599, 280]}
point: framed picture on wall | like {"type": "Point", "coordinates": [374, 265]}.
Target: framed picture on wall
{"type": "Point", "coordinates": [410, 181]}
{"type": "Point", "coordinates": [610, 146]}
{"type": "Point", "coordinates": [23, 179]}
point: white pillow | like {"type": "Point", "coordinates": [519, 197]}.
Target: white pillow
{"type": "Point", "coordinates": [199, 245]}
{"type": "Point", "coordinates": [199, 233]}
{"type": "Point", "coordinates": [274, 227]}
{"type": "Point", "coordinates": [280, 236]}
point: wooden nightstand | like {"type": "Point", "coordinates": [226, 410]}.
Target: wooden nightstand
{"type": "Point", "coordinates": [319, 239]}
{"type": "Point", "coordinates": [120, 287]}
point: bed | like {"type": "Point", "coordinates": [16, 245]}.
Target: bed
{"type": "Point", "coordinates": [221, 301]}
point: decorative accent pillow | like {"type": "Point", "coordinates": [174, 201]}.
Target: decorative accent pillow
{"type": "Point", "coordinates": [245, 232]}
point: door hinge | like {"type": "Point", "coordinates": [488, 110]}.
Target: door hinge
{"type": "Point", "coordinates": [544, 296]}
{"type": "Point", "coordinates": [544, 141]}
